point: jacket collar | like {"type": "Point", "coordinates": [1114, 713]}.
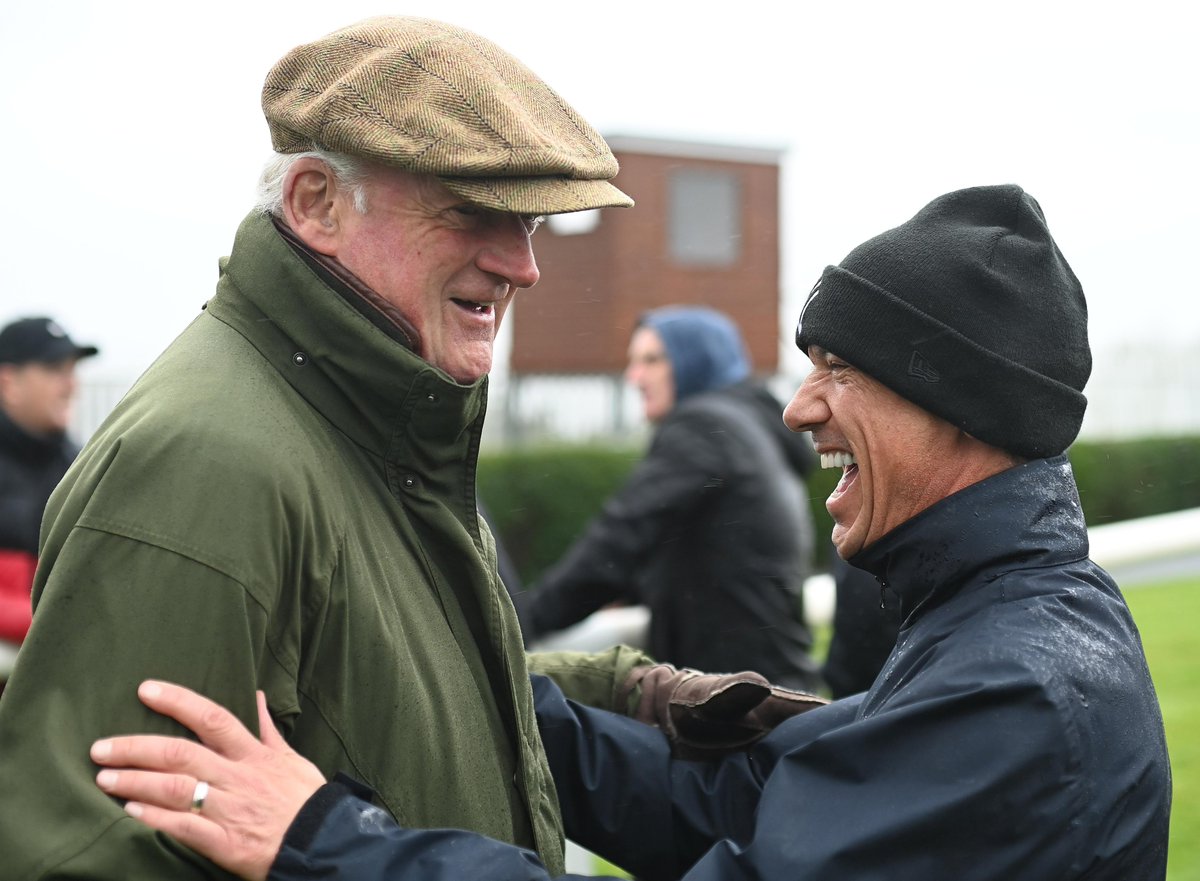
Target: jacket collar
{"type": "Point", "coordinates": [339, 349]}
{"type": "Point", "coordinates": [342, 281]}
{"type": "Point", "coordinates": [1028, 515]}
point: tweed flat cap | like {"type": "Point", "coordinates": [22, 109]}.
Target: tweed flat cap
{"type": "Point", "coordinates": [432, 98]}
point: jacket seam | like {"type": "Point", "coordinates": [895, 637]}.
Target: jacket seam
{"type": "Point", "coordinates": [280, 657]}
{"type": "Point", "coordinates": [168, 543]}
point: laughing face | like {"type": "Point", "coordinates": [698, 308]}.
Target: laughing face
{"type": "Point", "coordinates": [896, 458]}
{"type": "Point", "coordinates": [448, 265]}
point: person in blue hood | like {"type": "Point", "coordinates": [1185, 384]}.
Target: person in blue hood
{"type": "Point", "coordinates": [712, 530]}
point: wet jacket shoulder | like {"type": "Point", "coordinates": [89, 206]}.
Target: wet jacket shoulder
{"type": "Point", "coordinates": [1013, 733]}
{"type": "Point", "coordinates": [712, 532]}
{"type": "Point", "coordinates": [284, 501]}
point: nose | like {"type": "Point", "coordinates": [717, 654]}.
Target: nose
{"type": "Point", "coordinates": [508, 253]}
{"type": "Point", "coordinates": [807, 410]}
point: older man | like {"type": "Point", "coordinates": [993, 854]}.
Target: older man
{"type": "Point", "coordinates": [1013, 732]}
{"type": "Point", "coordinates": [286, 500]}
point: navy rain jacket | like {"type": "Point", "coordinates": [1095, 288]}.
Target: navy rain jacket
{"type": "Point", "coordinates": [1013, 733]}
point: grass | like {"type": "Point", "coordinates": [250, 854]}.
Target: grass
{"type": "Point", "coordinates": [1165, 613]}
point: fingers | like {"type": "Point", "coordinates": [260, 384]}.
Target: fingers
{"type": "Point", "coordinates": [213, 724]}
{"type": "Point", "coordinates": [164, 802]}
{"type": "Point", "coordinates": [194, 830]}
{"type": "Point", "coordinates": [157, 753]}
{"type": "Point", "coordinates": [170, 791]}
{"type": "Point", "coordinates": [266, 725]}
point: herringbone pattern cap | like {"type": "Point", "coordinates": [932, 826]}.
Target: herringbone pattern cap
{"type": "Point", "coordinates": [432, 98]}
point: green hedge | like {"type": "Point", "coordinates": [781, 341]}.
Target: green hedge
{"type": "Point", "coordinates": [541, 497]}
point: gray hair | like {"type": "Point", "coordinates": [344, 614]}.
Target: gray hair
{"type": "Point", "coordinates": [350, 172]}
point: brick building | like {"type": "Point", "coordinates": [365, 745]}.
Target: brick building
{"type": "Point", "coordinates": [705, 230]}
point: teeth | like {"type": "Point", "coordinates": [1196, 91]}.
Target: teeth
{"type": "Point", "coordinates": [837, 460]}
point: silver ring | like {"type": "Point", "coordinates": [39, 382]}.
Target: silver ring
{"type": "Point", "coordinates": [199, 794]}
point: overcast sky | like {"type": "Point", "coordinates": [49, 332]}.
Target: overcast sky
{"type": "Point", "coordinates": [132, 134]}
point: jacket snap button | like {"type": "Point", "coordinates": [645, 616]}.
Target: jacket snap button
{"type": "Point", "coordinates": [410, 482]}
{"type": "Point", "coordinates": [299, 359]}
{"type": "Point", "coordinates": [431, 398]}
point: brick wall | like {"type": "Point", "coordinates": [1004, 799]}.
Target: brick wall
{"type": "Point", "coordinates": [594, 285]}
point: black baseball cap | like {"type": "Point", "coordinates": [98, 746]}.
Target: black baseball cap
{"type": "Point", "coordinates": [39, 339]}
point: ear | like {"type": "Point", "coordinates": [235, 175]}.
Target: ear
{"type": "Point", "coordinates": [311, 205]}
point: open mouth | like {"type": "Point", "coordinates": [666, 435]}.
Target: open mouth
{"type": "Point", "coordinates": [849, 466]}
{"type": "Point", "coordinates": [472, 306]}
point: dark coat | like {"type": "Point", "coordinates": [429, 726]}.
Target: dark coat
{"type": "Point", "coordinates": [713, 533]}
{"type": "Point", "coordinates": [30, 467]}
{"type": "Point", "coordinates": [865, 622]}
{"type": "Point", "coordinates": [1013, 733]}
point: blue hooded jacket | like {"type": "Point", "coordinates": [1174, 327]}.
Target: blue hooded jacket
{"type": "Point", "coordinates": [704, 346]}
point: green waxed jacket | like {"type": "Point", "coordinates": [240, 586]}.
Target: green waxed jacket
{"type": "Point", "coordinates": [284, 501]}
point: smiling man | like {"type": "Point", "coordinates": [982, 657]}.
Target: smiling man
{"type": "Point", "coordinates": [286, 499]}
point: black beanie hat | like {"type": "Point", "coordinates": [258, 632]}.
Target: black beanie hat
{"type": "Point", "coordinates": [970, 311]}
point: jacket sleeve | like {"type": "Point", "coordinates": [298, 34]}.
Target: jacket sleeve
{"type": "Point", "coordinates": [967, 778]}
{"type": "Point", "coordinates": [339, 836]}
{"type": "Point", "coordinates": [974, 786]}
{"type": "Point", "coordinates": [683, 463]}
{"type": "Point", "coordinates": [113, 612]}
{"type": "Point", "coordinates": [607, 768]}
{"type": "Point", "coordinates": [595, 679]}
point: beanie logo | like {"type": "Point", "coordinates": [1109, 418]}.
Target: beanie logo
{"type": "Point", "coordinates": [812, 295]}
{"type": "Point", "coordinates": [922, 369]}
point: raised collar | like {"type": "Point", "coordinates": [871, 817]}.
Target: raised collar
{"type": "Point", "coordinates": [1028, 515]}
{"type": "Point", "coordinates": [363, 378]}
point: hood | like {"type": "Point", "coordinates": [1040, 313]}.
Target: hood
{"type": "Point", "coordinates": [704, 345]}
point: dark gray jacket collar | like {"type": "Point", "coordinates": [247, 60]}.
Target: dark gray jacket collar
{"type": "Point", "coordinates": [1025, 514]}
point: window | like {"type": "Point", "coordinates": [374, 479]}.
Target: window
{"type": "Point", "coordinates": [704, 218]}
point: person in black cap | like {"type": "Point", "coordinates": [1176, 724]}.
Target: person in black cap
{"type": "Point", "coordinates": [37, 390]}
{"type": "Point", "coordinates": [1012, 733]}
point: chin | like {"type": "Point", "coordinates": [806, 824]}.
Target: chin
{"type": "Point", "coordinates": [467, 373]}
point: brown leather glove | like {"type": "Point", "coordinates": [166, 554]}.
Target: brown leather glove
{"type": "Point", "coordinates": [706, 715]}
